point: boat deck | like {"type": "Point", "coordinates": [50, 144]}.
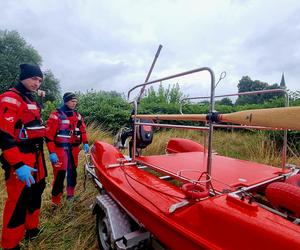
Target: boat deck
{"type": "Point", "coordinates": [227, 173]}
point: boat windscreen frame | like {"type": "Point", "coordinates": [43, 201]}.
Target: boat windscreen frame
{"type": "Point", "coordinates": [211, 109]}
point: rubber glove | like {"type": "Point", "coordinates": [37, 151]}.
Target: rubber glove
{"type": "Point", "coordinates": [53, 158]}
{"type": "Point", "coordinates": [86, 148]}
{"type": "Point", "coordinates": [24, 174]}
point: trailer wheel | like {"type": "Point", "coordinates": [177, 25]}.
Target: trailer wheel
{"type": "Point", "coordinates": [103, 232]}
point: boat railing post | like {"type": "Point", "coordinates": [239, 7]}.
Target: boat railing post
{"type": "Point", "coordinates": [211, 127]}
{"type": "Point", "coordinates": [221, 77]}
{"type": "Point", "coordinates": [284, 145]}
{"type": "Point", "coordinates": [134, 131]}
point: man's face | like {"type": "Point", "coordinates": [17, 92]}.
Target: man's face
{"type": "Point", "coordinates": [32, 83]}
{"type": "Point", "coordinates": [71, 104]}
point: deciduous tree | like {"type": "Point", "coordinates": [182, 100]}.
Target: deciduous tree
{"type": "Point", "coordinates": [14, 51]}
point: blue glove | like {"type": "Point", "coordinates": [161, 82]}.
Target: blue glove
{"type": "Point", "coordinates": [53, 158]}
{"type": "Point", "coordinates": [86, 148]}
{"type": "Point", "coordinates": [24, 174]}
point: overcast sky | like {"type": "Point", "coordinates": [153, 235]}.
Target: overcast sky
{"type": "Point", "coordinates": [110, 45]}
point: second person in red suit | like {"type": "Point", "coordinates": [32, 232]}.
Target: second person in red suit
{"type": "Point", "coordinates": [65, 131]}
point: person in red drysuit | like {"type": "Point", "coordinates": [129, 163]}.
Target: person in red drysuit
{"type": "Point", "coordinates": [65, 131]}
{"type": "Point", "coordinates": [21, 142]}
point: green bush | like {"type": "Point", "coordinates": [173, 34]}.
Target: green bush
{"type": "Point", "coordinates": [108, 109]}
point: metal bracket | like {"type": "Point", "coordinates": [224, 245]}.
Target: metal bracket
{"type": "Point", "coordinates": [121, 164]}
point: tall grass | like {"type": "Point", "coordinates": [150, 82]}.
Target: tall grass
{"type": "Point", "coordinates": [254, 146]}
{"type": "Point", "coordinates": [73, 226]}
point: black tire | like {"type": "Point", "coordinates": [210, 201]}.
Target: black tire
{"type": "Point", "coordinates": [103, 232]}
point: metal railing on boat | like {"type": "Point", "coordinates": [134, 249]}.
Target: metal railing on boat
{"type": "Point", "coordinates": [212, 103]}
{"type": "Point", "coordinates": [266, 91]}
{"type": "Point", "coordinates": [211, 124]}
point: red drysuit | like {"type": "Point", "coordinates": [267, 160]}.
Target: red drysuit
{"type": "Point", "coordinates": [21, 141]}
{"type": "Point", "coordinates": [65, 131]}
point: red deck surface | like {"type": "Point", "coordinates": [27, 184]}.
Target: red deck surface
{"type": "Point", "coordinates": [227, 173]}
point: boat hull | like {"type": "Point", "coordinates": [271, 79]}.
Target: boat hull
{"type": "Point", "coordinates": [220, 222]}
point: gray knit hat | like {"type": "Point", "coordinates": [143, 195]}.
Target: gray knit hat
{"type": "Point", "coordinates": [69, 96]}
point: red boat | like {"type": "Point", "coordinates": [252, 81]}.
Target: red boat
{"type": "Point", "coordinates": [190, 198]}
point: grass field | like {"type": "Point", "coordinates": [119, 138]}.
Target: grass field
{"type": "Point", "coordinates": [73, 225]}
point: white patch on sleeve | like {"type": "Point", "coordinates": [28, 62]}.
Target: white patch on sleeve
{"type": "Point", "coordinates": [9, 119]}
{"type": "Point", "coordinates": [32, 107]}
{"type": "Point", "coordinates": [11, 101]}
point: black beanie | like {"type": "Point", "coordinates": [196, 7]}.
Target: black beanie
{"type": "Point", "coordinates": [28, 71]}
{"type": "Point", "coordinates": [69, 96]}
